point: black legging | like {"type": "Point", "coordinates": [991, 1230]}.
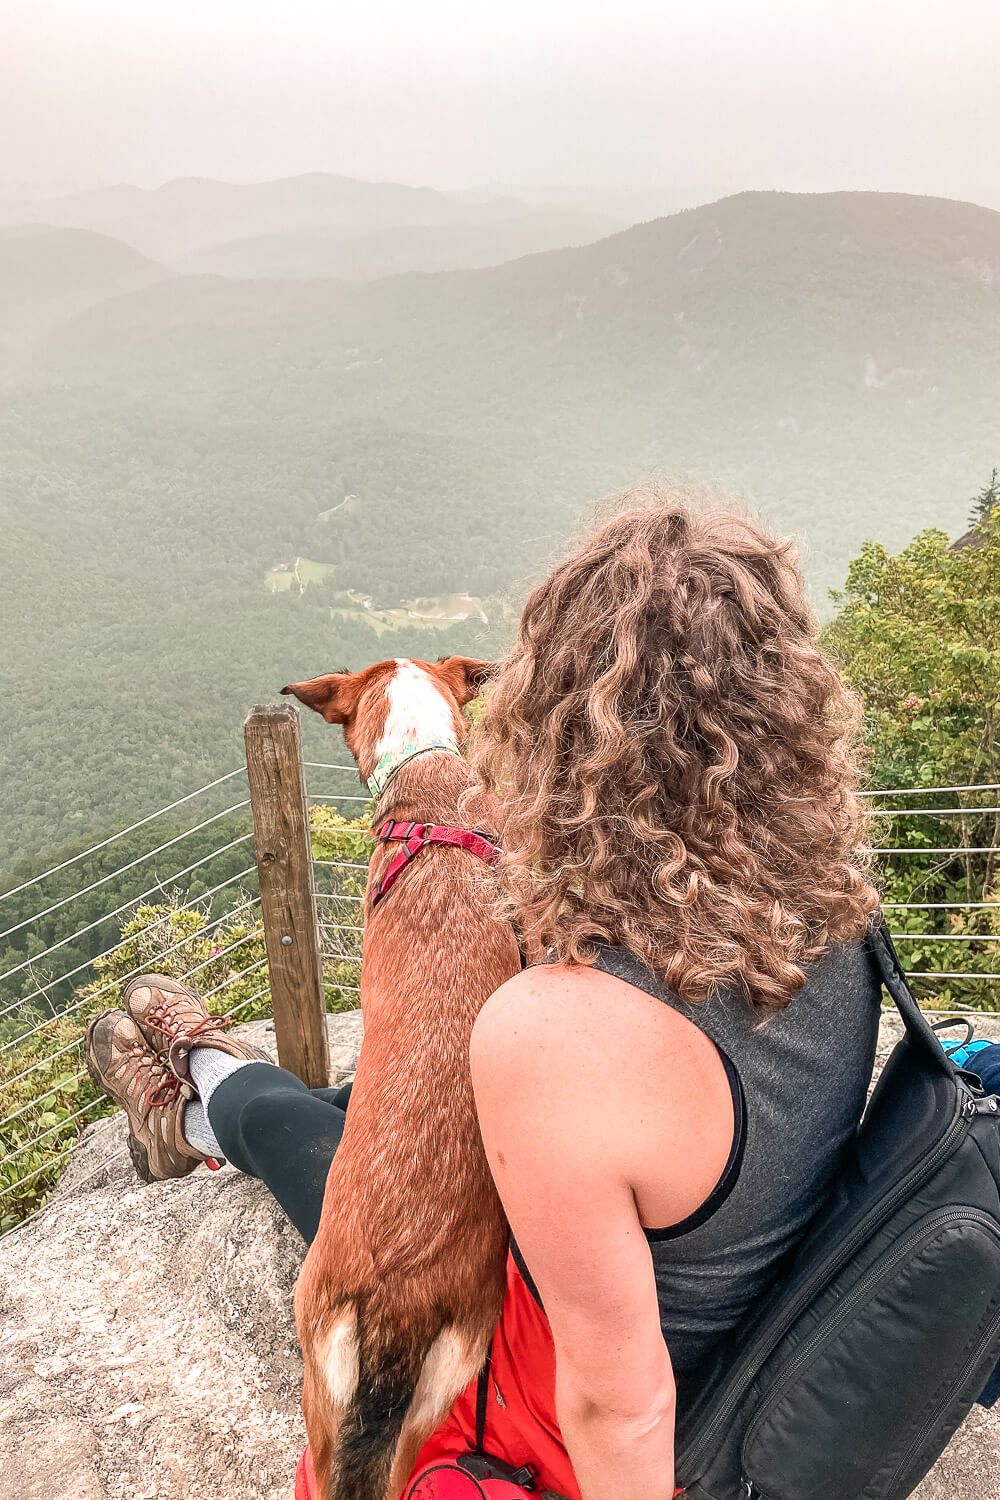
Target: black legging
{"type": "Point", "coordinates": [271, 1126]}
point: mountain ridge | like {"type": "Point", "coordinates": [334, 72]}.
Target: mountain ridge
{"type": "Point", "coordinates": [832, 360]}
{"type": "Point", "coordinates": [49, 274]}
{"type": "Point", "coordinates": [398, 249]}
{"type": "Point", "coordinates": [180, 217]}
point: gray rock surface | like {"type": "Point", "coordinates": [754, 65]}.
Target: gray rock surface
{"type": "Point", "coordinates": [147, 1346]}
{"type": "Point", "coordinates": [147, 1349]}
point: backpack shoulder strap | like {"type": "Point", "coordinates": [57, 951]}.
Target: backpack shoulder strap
{"type": "Point", "coordinates": [895, 982]}
{"type": "Point", "coordinates": [482, 1397]}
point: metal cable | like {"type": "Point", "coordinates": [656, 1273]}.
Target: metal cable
{"type": "Point", "coordinates": [75, 858]}
{"type": "Point", "coordinates": [244, 1003]}
{"type": "Point", "coordinates": [102, 1168]}
{"type": "Point", "coordinates": [337, 797]}
{"type": "Point", "coordinates": [928, 852]}
{"type": "Point", "coordinates": [933, 812]}
{"type": "Point", "coordinates": [43, 1062]}
{"type": "Point", "coordinates": [930, 791]}
{"type": "Point", "coordinates": [231, 980]}
{"type": "Point", "coordinates": [205, 896]}
{"type": "Point", "coordinates": [946, 974]}
{"type": "Point", "coordinates": [255, 932]}
{"type": "Point", "coordinates": [68, 1152]}
{"type": "Point", "coordinates": [123, 869]}
{"type": "Point", "coordinates": [52, 1130]}
{"type": "Point", "coordinates": [76, 1077]}
{"type": "Point", "coordinates": [940, 905]}
{"type": "Point", "coordinates": [45, 1167]}
{"type": "Point", "coordinates": [152, 891]}
{"type": "Point", "coordinates": [124, 978]}
{"type": "Point", "coordinates": [935, 1010]}
{"type": "Point", "coordinates": [49, 1207]}
{"type": "Point", "coordinates": [56, 1088]}
{"type": "Point", "coordinates": [946, 937]}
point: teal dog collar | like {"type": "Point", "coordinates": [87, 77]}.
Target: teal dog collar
{"type": "Point", "coordinates": [394, 760]}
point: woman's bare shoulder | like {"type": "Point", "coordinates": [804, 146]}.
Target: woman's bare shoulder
{"type": "Point", "coordinates": [545, 1004]}
{"type": "Point", "coordinates": [577, 1017]}
{"type": "Point", "coordinates": [555, 1040]}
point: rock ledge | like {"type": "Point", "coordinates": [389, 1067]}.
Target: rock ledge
{"type": "Point", "coordinates": [148, 1352]}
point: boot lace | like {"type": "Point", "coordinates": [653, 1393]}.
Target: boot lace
{"type": "Point", "coordinates": [160, 1087]}
{"type": "Point", "coordinates": [164, 1019]}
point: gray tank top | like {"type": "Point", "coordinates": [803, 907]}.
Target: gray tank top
{"type": "Point", "coordinates": [799, 1081]}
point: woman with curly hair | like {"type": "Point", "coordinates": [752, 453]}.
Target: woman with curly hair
{"type": "Point", "coordinates": [665, 1099]}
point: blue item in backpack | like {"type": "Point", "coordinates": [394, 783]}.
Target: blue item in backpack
{"type": "Point", "coordinates": [968, 1055]}
{"type": "Point", "coordinates": [983, 1059]}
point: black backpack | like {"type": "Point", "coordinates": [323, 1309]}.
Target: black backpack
{"type": "Point", "coordinates": [848, 1379]}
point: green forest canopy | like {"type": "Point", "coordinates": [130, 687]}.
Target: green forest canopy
{"type": "Point", "coordinates": [833, 358]}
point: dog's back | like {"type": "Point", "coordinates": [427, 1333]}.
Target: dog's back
{"type": "Point", "coordinates": [403, 1285]}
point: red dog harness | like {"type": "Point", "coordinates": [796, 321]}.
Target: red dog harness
{"type": "Point", "coordinates": [416, 836]}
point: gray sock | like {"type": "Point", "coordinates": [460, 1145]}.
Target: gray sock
{"type": "Point", "coordinates": [209, 1067]}
{"type": "Point", "coordinates": [197, 1130]}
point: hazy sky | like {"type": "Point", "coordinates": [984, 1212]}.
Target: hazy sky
{"type": "Point", "coordinates": [807, 94]}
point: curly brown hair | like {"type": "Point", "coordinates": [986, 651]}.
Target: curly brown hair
{"type": "Point", "coordinates": [675, 759]}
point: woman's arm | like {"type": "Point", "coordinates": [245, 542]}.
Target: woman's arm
{"type": "Point", "coordinates": [560, 1095]}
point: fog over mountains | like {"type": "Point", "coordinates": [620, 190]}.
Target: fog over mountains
{"type": "Point", "coordinates": [200, 224]}
{"type": "Point", "coordinates": [233, 450]}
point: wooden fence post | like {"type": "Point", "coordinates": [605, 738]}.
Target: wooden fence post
{"type": "Point", "coordinates": [284, 863]}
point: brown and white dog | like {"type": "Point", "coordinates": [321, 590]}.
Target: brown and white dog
{"type": "Point", "coordinates": [402, 1287]}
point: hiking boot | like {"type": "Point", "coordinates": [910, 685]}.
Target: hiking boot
{"type": "Point", "coordinates": [173, 1018]}
{"type": "Point", "coordinates": [128, 1071]}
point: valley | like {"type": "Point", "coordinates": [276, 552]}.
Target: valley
{"type": "Point", "coordinates": [214, 484]}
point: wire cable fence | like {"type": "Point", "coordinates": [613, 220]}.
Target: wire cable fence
{"type": "Point", "coordinates": [177, 892]}
{"type": "Point", "coordinates": [172, 893]}
{"type": "Point", "coordinates": [942, 897]}
{"type": "Point", "coordinates": [341, 845]}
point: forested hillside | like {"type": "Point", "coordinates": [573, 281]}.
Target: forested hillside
{"type": "Point", "coordinates": [835, 359]}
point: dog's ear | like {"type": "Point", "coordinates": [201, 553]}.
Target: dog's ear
{"type": "Point", "coordinates": [465, 675]}
{"type": "Point", "coordinates": [335, 696]}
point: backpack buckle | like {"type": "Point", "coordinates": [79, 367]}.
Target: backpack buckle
{"type": "Point", "coordinates": [484, 1466]}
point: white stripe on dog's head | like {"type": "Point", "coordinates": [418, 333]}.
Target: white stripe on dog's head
{"type": "Point", "coordinates": [420, 712]}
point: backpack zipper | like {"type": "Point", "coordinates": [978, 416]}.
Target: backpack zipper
{"type": "Point", "coordinates": [942, 1405]}
{"type": "Point", "coordinates": [842, 1253]}
{"type": "Point", "coordinates": [926, 1229]}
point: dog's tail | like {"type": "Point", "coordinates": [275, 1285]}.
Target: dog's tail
{"type": "Point", "coordinates": [371, 1429]}
{"type": "Point", "coordinates": [372, 1397]}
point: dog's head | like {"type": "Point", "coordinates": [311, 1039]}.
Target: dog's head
{"type": "Point", "coordinates": [396, 705]}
